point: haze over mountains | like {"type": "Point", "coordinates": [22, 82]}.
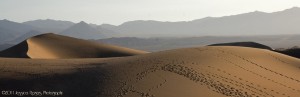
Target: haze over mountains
{"type": "Point", "coordinates": [49, 25]}
{"type": "Point", "coordinates": [160, 44]}
{"type": "Point", "coordinates": [83, 30]}
{"type": "Point", "coordinates": [253, 23]}
{"type": "Point", "coordinates": [11, 30]}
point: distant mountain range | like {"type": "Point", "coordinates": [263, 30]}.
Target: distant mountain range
{"type": "Point", "coordinates": [49, 25]}
{"type": "Point", "coordinates": [160, 44]}
{"type": "Point", "coordinates": [252, 23]}
{"type": "Point", "coordinates": [83, 30]}
{"type": "Point", "coordinates": [13, 32]}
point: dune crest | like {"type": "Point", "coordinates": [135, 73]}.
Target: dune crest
{"type": "Point", "coordinates": [52, 46]}
{"type": "Point", "coordinates": [244, 44]}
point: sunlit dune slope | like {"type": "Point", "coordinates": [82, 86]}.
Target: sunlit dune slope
{"type": "Point", "coordinates": [213, 71]}
{"type": "Point", "coordinates": [52, 46]}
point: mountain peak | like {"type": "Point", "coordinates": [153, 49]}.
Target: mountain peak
{"type": "Point", "coordinates": [83, 30]}
{"type": "Point", "coordinates": [82, 22]}
{"type": "Point", "coordinates": [6, 20]}
{"type": "Point", "coordinates": [81, 25]}
{"type": "Point", "coordinates": [293, 9]}
{"type": "Point", "coordinates": [256, 11]}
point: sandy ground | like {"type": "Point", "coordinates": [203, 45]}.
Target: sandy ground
{"type": "Point", "coordinates": [191, 72]}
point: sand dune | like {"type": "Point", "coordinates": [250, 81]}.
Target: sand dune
{"type": "Point", "coordinates": [52, 46]}
{"type": "Point", "coordinates": [213, 71]}
{"type": "Point", "coordinates": [294, 52]}
{"type": "Point", "coordinates": [244, 44]}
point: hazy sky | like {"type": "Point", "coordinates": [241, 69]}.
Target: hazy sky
{"type": "Point", "coordinates": [119, 11]}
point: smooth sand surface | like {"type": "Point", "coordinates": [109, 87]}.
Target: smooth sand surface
{"type": "Point", "coordinates": [52, 46]}
{"type": "Point", "coordinates": [216, 71]}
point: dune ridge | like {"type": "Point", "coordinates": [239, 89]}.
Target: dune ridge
{"type": "Point", "coordinates": [52, 46]}
{"type": "Point", "coordinates": [212, 71]}
{"type": "Point", "coordinates": [244, 44]}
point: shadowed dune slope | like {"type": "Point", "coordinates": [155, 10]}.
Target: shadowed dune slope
{"type": "Point", "coordinates": [17, 51]}
{"type": "Point", "coordinates": [212, 71]}
{"type": "Point", "coordinates": [295, 52]}
{"type": "Point", "coordinates": [244, 44]}
{"type": "Point", "coordinates": [52, 46]}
